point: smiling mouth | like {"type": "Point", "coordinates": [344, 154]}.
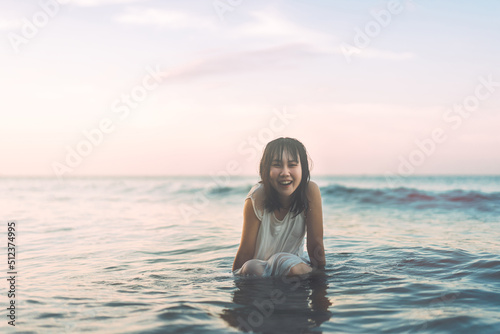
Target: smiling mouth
{"type": "Point", "coordinates": [285, 183]}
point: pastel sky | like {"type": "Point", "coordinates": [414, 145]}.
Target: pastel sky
{"type": "Point", "coordinates": [199, 87]}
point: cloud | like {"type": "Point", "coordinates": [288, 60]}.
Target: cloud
{"type": "Point", "coordinates": [97, 3]}
{"type": "Point", "coordinates": [163, 18]}
{"type": "Point", "coordinates": [248, 61]}
{"type": "Point", "coordinates": [383, 54]}
{"type": "Point", "coordinates": [267, 24]}
{"type": "Point", "coordinates": [351, 52]}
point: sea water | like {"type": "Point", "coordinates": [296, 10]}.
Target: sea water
{"type": "Point", "coordinates": [154, 255]}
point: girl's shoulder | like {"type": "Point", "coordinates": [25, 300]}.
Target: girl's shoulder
{"type": "Point", "coordinates": [257, 192]}
{"type": "Point", "coordinates": [257, 195]}
{"type": "Point", "coordinates": [312, 186]}
{"type": "Point", "coordinates": [312, 191]}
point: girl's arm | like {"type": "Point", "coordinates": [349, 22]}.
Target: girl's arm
{"type": "Point", "coordinates": [251, 226]}
{"type": "Point", "coordinates": [314, 222]}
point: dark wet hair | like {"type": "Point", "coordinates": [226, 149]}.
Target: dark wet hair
{"type": "Point", "coordinates": [274, 150]}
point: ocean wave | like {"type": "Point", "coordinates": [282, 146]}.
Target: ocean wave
{"type": "Point", "coordinates": [416, 198]}
{"type": "Point", "coordinates": [215, 190]}
{"type": "Point", "coordinates": [402, 197]}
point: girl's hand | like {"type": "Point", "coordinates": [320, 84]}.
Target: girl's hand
{"type": "Point", "coordinates": [251, 226]}
{"type": "Point", "coordinates": [314, 223]}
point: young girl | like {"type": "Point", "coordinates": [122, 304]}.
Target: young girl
{"type": "Point", "coordinates": [276, 214]}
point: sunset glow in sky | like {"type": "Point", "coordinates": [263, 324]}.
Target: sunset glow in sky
{"type": "Point", "coordinates": [124, 87]}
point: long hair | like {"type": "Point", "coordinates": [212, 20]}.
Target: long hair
{"type": "Point", "coordinates": [274, 150]}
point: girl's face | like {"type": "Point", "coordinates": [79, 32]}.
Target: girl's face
{"type": "Point", "coordinates": [285, 176]}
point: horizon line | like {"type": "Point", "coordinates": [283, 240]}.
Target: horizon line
{"type": "Point", "coordinates": [236, 176]}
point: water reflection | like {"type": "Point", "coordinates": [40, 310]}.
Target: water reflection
{"type": "Point", "coordinates": [279, 305]}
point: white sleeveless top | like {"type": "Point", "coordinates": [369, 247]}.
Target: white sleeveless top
{"type": "Point", "coordinates": [277, 236]}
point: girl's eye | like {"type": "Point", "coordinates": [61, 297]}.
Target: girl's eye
{"type": "Point", "coordinates": [276, 165]}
